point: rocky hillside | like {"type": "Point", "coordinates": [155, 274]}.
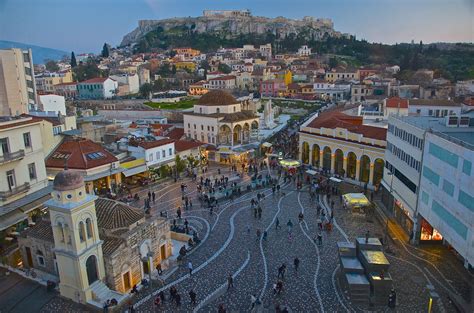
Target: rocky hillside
{"type": "Point", "coordinates": [280, 27]}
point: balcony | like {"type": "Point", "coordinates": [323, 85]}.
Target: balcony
{"type": "Point", "coordinates": [5, 195]}
{"type": "Point", "coordinates": [12, 156]}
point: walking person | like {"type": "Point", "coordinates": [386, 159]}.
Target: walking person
{"type": "Point", "coordinates": [192, 296]}
{"type": "Point", "coordinates": [290, 226]}
{"type": "Point", "coordinates": [190, 268]}
{"type": "Point", "coordinates": [296, 263]}
{"type": "Point", "coordinates": [320, 238]}
{"type": "Point", "coordinates": [277, 224]}
{"type": "Point", "coordinates": [153, 196]}
{"type": "Point", "coordinates": [259, 233]}
{"type": "Point", "coordinates": [230, 282]}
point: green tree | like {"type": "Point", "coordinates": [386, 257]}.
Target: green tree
{"type": "Point", "coordinates": [51, 66]}
{"type": "Point", "coordinates": [160, 85]}
{"type": "Point", "coordinates": [164, 171]}
{"type": "Point", "coordinates": [73, 60]}
{"type": "Point", "coordinates": [180, 164]}
{"type": "Point", "coordinates": [146, 90]}
{"type": "Point", "coordinates": [88, 70]}
{"type": "Point", "coordinates": [333, 62]}
{"type": "Point", "coordinates": [105, 50]}
{"type": "Point", "coordinates": [224, 68]}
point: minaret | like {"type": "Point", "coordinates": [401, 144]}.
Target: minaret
{"type": "Point", "coordinates": [77, 245]}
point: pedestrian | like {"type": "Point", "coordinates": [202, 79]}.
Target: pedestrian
{"type": "Point", "coordinates": [177, 298]}
{"type": "Point", "coordinates": [159, 269]}
{"type": "Point", "coordinates": [289, 225]}
{"type": "Point", "coordinates": [105, 308]}
{"type": "Point", "coordinates": [279, 287]}
{"type": "Point", "coordinates": [221, 308]}
{"type": "Point", "coordinates": [275, 290]}
{"type": "Point", "coordinates": [320, 238]}
{"type": "Point", "coordinates": [149, 195]}
{"type": "Point", "coordinates": [277, 224]}
{"type": "Point", "coordinates": [157, 301]}
{"type": "Point", "coordinates": [230, 282]}
{"type": "Point", "coordinates": [190, 267]}
{"type": "Point", "coordinates": [367, 235]}
{"type": "Point", "coordinates": [265, 234]}
{"type": "Point", "coordinates": [178, 213]}
{"type": "Point", "coordinates": [192, 296]}
{"type": "Point", "coordinates": [190, 204]}
{"type": "Point", "coordinates": [248, 229]}
{"type": "Point", "coordinates": [296, 263]}
{"type": "Point", "coordinates": [253, 301]}
{"type": "Point", "coordinates": [259, 233]}
{"type": "Point", "coordinates": [153, 196]}
{"type": "Point", "coordinates": [161, 294]}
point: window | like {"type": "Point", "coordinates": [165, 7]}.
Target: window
{"type": "Point", "coordinates": [430, 112]}
{"type": "Point", "coordinates": [150, 157]}
{"type": "Point", "coordinates": [466, 167]}
{"type": "Point", "coordinates": [431, 175]}
{"type": "Point", "coordinates": [234, 109]}
{"type": "Point", "coordinates": [82, 232]}
{"type": "Point", "coordinates": [212, 128]}
{"type": "Point", "coordinates": [89, 228]}
{"type": "Point", "coordinates": [189, 125]}
{"type": "Point", "coordinates": [202, 127]}
{"type": "Point", "coordinates": [425, 197]}
{"type": "Point", "coordinates": [32, 170]}
{"type": "Point", "coordinates": [218, 110]}
{"type": "Point", "coordinates": [157, 155]}
{"type": "Point", "coordinates": [448, 187]}
{"type": "Point", "coordinates": [5, 146]}
{"type": "Point", "coordinates": [194, 126]}
{"type": "Point", "coordinates": [61, 232]}
{"type": "Point", "coordinates": [466, 200]}
{"type": "Point", "coordinates": [200, 110]}
{"type": "Point", "coordinates": [11, 179]}
{"type": "Point", "coordinates": [208, 128]}
{"type": "Point", "coordinates": [40, 258]}
{"type": "Point", "coordinates": [444, 155]}
{"type": "Point", "coordinates": [163, 153]}
{"type": "Point", "coordinates": [449, 219]}
{"type": "Point", "coordinates": [170, 151]}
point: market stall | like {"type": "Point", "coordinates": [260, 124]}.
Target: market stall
{"type": "Point", "coordinates": [356, 202]}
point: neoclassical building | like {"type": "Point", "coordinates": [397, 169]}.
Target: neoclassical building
{"type": "Point", "coordinates": [220, 120]}
{"type": "Point", "coordinates": [98, 248]}
{"type": "Point", "coordinates": [341, 144]}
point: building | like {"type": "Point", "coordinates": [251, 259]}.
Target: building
{"type": "Point", "coordinates": [222, 82]}
{"type": "Point", "coordinates": [273, 88]}
{"type": "Point", "coordinates": [198, 88]}
{"type": "Point", "coordinates": [220, 120]}
{"type": "Point", "coordinates": [155, 152]}
{"type": "Point", "coordinates": [17, 82]}
{"type": "Point", "coordinates": [343, 145]}
{"type": "Point", "coordinates": [187, 52]}
{"type": "Point", "coordinates": [52, 103]}
{"type": "Point", "coordinates": [67, 90]}
{"type": "Point", "coordinates": [395, 106]}
{"type": "Point", "coordinates": [46, 81]}
{"type": "Point", "coordinates": [266, 51]}
{"type": "Point", "coordinates": [23, 180]}
{"type": "Point", "coordinates": [130, 80]}
{"type": "Point", "coordinates": [341, 74]}
{"type": "Point", "coordinates": [304, 51]}
{"type": "Point", "coordinates": [99, 167]}
{"type": "Point", "coordinates": [97, 88]}
{"type": "Point", "coordinates": [428, 184]}
{"type": "Point", "coordinates": [464, 88]}
{"type": "Point", "coordinates": [98, 248]}
{"type": "Point", "coordinates": [434, 107]}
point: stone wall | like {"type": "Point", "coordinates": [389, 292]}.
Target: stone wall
{"type": "Point", "coordinates": [36, 245]}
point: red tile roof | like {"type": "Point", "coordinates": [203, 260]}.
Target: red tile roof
{"type": "Point", "coordinates": [227, 77]}
{"type": "Point", "coordinates": [80, 154]}
{"type": "Point", "coordinates": [151, 144]}
{"type": "Point", "coordinates": [95, 80]}
{"type": "Point", "coordinates": [176, 133]}
{"type": "Point", "coordinates": [20, 122]}
{"type": "Point", "coordinates": [336, 119]}
{"type": "Point", "coordinates": [183, 145]}
{"type": "Point", "coordinates": [396, 102]}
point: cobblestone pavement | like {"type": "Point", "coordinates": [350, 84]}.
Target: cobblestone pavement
{"type": "Point", "coordinates": [230, 249]}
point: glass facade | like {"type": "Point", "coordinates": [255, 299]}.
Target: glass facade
{"type": "Point", "coordinates": [448, 188]}
{"type": "Point", "coordinates": [449, 219]}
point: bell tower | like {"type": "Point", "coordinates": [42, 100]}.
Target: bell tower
{"type": "Point", "coordinates": [78, 247]}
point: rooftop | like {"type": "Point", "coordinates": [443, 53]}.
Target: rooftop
{"type": "Point", "coordinates": [217, 97]}
{"type": "Point", "coordinates": [438, 124]}
{"type": "Point", "coordinates": [433, 102]}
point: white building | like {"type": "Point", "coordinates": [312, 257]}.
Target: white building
{"type": "Point", "coordinates": [304, 51]}
{"type": "Point", "coordinates": [429, 174]}
{"type": "Point", "coordinates": [97, 88]}
{"type": "Point", "coordinates": [464, 88]}
{"type": "Point", "coordinates": [155, 153]}
{"type": "Point", "coordinates": [266, 51]}
{"type": "Point", "coordinates": [222, 82]}
{"type": "Point", "coordinates": [52, 103]}
{"type": "Point", "coordinates": [434, 107]}
{"type": "Point", "coordinates": [132, 80]}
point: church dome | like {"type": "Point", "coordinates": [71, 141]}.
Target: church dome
{"type": "Point", "coordinates": [217, 97]}
{"type": "Point", "coordinates": [68, 180]}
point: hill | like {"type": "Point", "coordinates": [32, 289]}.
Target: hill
{"type": "Point", "coordinates": [40, 54]}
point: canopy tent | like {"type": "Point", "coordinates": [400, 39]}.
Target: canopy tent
{"type": "Point", "coordinates": [290, 163]}
{"type": "Point", "coordinates": [335, 180]}
{"type": "Point", "coordinates": [266, 144]}
{"type": "Point", "coordinates": [311, 172]}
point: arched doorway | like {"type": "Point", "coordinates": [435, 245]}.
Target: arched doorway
{"type": "Point", "coordinates": [327, 158]}
{"type": "Point", "coordinates": [364, 174]}
{"type": "Point", "coordinates": [246, 134]}
{"type": "Point", "coordinates": [305, 153]}
{"type": "Point", "coordinates": [224, 135]}
{"type": "Point", "coordinates": [237, 133]}
{"type": "Point", "coordinates": [315, 155]}
{"type": "Point", "coordinates": [351, 165]}
{"type": "Point", "coordinates": [339, 162]}
{"type": "Point", "coordinates": [91, 267]}
{"type": "Point", "coordinates": [378, 171]}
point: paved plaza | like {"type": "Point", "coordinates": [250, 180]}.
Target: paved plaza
{"type": "Point", "coordinates": [231, 246]}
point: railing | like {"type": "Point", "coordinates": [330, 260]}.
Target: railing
{"type": "Point", "coordinates": [11, 156]}
{"type": "Point", "coordinates": [4, 195]}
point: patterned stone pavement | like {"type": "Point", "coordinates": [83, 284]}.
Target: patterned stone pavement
{"type": "Point", "coordinates": [231, 250]}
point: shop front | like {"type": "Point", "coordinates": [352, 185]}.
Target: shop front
{"type": "Point", "coordinates": [135, 173]}
{"type": "Point", "coordinates": [402, 215]}
{"type": "Point", "coordinates": [428, 233]}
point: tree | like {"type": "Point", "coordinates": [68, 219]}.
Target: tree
{"type": "Point", "coordinates": [146, 90]}
{"type": "Point", "coordinates": [164, 171]}
{"type": "Point", "coordinates": [224, 68]}
{"type": "Point", "coordinates": [160, 85]}
{"type": "Point", "coordinates": [73, 60]}
{"type": "Point", "coordinates": [180, 164]}
{"type": "Point", "coordinates": [85, 71]}
{"type": "Point", "coordinates": [51, 66]}
{"type": "Point", "coordinates": [333, 62]}
{"type": "Point", "coordinates": [105, 50]}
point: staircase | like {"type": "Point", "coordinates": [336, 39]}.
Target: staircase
{"type": "Point", "coordinates": [101, 293]}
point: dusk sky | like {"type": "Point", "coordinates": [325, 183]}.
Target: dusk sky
{"type": "Point", "coordinates": [84, 25]}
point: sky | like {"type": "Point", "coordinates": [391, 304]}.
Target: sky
{"type": "Point", "coordinates": [84, 25]}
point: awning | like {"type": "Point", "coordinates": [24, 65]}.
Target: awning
{"type": "Point", "coordinates": [266, 144]}
{"type": "Point", "coordinates": [133, 171]}
{"type": "Point", "coordinates": [311, 172]}
{"type": "Point", "coordinates": [336, 180]}
{"type": "Point", "coordinates": [93, 177]}
{"type": "Point", "coordinates": [356, 199]}
{"type": "Point", "coordinates": [11, 219]}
